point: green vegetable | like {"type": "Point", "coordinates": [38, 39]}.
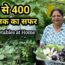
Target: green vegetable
{"type": "Point", "coordinates": [57, 47]}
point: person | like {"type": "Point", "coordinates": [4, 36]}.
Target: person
{"type": "Point", "coordinates": [55, 32]}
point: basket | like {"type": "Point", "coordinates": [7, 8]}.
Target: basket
{"type": "Point", "coordinates": [48, 62]}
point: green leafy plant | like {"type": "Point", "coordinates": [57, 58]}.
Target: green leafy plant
{"type": "Point", "coordinates": [14, 51]}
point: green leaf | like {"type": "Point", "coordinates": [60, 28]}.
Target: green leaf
{"type": "Point", "coordinates": [32, 14]}
{"type": "Point", "coordinates": [11, 50]}
{"type": "Point", "coordinates": [1, 63]}
{"type": "Point", "coordinates": [1, 56]}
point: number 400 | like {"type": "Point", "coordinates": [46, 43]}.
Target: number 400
{"type": "Point", "coordinates": [21, 9]}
